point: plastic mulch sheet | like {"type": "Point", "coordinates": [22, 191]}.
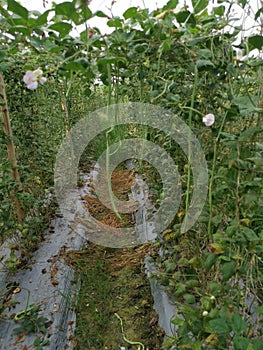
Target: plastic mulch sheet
{"type": "Point", "coordinates": [48, 283]}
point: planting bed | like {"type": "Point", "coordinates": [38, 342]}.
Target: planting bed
{"type": "Point", "coordinates": [106, 287]}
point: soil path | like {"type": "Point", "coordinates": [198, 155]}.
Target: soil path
{"type": "Point", "coordinates": [115, 307]}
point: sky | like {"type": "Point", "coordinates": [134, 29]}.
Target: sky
{"type": "Point", "coordinates": [119, 7]}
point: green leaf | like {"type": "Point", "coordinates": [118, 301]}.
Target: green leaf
{"type": "Point", "coordinates": [165, 46]}
{"type": "Point", "coordinates": [115, 22]}
{"type": "Point", "coordinates": [249, 234]}
{"type": "Point", "coordinates": [177, 321]}
{"type": "Point", "coordinates": [4, 12]}
{"type": "Point", "coordinates": [257, 344]}
{"type": "Point", "coordinates": [246, 104]}
{"type": "Point", "coordinates": [128, 37]}
{"type": "Point", "coordinates": [62, 27]}
{"type": "Point", "coordinates": [74, 66]}
{"type": "Point", "coordinates": [2, 53]}
{"type": "Point", "coordinates": [259, 310]}
{"type": "Point", "coordinates": [258, 161]}
{"type": "Point", "coordinates": [199, 5]}
{"type": "Point", "coordinates": [171, 4]}
{"type": "Point", "coordinates": [100, 14]}
{"type": "Point", "coordinates": [131, 12]}
{"type": "Point", "coordinates": [16, 8]}
{"type": "Point", "coordinates": [65, 9]}
{"type": "Point", "coordinates": [243, 2]}
{"type": "Point", "coordinates": [86, 14]}
{"type": "Point", "coordinates": [4, 67]}
{"type": "Point", "coordinates": [141, 47]}
{"type": "Point", "coordinates": [206, 303]}
{"type": "Point", "coordinates": [42, 19]}
{"type": "Point", "coordinates": [19, 21]}
{"type": "Point", "coordinates": [231, 69]}
{"type": "Point", "coordinates": [42, 319]}
{"type": "Point", "coordinates": [37, 341]}
{"type": "Point", "coordinates": [51, 47]}
{"type": "Point", "coordinates": [45, 342]}
{"type": "Point", "coordinates": [210, 261]}
{"type": "Point", "coordinates": [204, 63]}
{"type": "Point", "coordinates": [249, 132]}
{"type": "Point", "coordinates": [181, 288]}
{"type": "Point", "coordinates": [240, 343]}
{"type": "Point", "coordinates": [83, 61]}
{"type": "Point", "coordinates": [258, 13]}
{"type": "Point", "coordinates": [18, 330]}
{"type": "Point", "coordinates": [111, 60]}
{"type": "Point", "coordinates": [197, 345]}
{"type": "Point", "coordinates": [219, 326]}
{"type": "Point", "coordinates": [204, 53]}
{"type": "Point", "coordinates": [238, 324]}
{"type": "Point", "coordinates": [87, 92]}
{"type": "Point", "coordinates": [219, 10]}
{"type": "Point", "coordinates": [169, 266]}
{"type": "Point", "coordinates": [68, 9]}
{"type": "Point", "coordinates": [189, 298]}
{"type": "Point", "coordinates": [255, 42]}
{"type": "Point", "coordinates": [43, 329]}
{"type": "Point", "coordinates": [184, 16]}
{"type": "Point", "coordinates": [20, 29]}
{"type": "Point", "coordinates": [214, 288]}
{"type": "Point", "coordinates": [228, 269]}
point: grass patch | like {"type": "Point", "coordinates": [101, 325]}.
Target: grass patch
{"type": "Point", "coordinates": [114, 281]}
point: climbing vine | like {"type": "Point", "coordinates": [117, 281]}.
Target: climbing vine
{"type": "Point", "coordinates": [198, 63]}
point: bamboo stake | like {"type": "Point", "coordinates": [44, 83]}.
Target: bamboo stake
{"type": "Point", "coordinates": [11, 149]}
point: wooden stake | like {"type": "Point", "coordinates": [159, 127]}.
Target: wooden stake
{"type": "Point", "coordinates": [11, 149]}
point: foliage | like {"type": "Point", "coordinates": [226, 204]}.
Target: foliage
{"type": "Point", "coordinates": [184, 60]}
{"type": "Point", "coordinates": [31, 322]}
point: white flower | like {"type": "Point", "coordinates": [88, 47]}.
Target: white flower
{"type": "Point", "coordinates": [42, 80]}
{"type": "Point", "coordinates": [205, 313]}
{"type": "Point", "coordinates": [32, 78]}
{"type": "Point", "coordinates": [213, 298]}
{"type": "Point", "coordinates": [239, 54]}
{"type": "Point", "coordinates": [209, 119]}
{"type": "Point", "coordinates": [38, 72]}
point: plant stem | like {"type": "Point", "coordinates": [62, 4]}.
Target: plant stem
{"type": "Point", "coordinates": [108, 152]}
{"type": "Point", "coordinates": [237, 186]}
{"type": "Point", "coordinates": [210, 197]}
{"type": "Point", "coordinates": [190, 115]}
{"type": "Point", "coordinates": [192, 109]}
{"type": "Point", "coordinates": [123, 335]}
